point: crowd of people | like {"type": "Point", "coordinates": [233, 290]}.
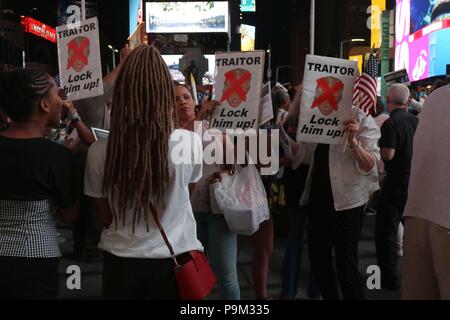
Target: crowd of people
{"type": "Point", "coordinates": [108, 188]}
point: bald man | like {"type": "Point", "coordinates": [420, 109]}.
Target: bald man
{"type": "Point", "coordinates": [396, 144]}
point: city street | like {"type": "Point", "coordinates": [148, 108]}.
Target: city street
{"type": "Point", "coordinates": [92, 272]}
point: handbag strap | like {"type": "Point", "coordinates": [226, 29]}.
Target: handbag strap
{"type": "Point", "coordinates": [161, 230]}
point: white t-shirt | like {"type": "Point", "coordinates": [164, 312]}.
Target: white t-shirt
{"type": "Point", "coordinates": [429, 184]}
{"type": "Point", "coordinates": [177, 220]}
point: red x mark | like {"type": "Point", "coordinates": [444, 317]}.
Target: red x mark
{"type": "Point", "coordinates": [328, 93]}
{"type": "Point", "coordinates": [236, 85]}
{"type": "Point", "coordinates": [78, 52]}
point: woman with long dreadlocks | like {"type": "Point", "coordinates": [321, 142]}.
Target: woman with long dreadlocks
{"type": "Point", "coordinates": [144, 162]}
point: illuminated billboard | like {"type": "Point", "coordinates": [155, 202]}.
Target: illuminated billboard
{"type": "Point", "coordinates": [135, 14]}
{"type": "Point", "coordinates": [248, 5]}
{"type": "Point", "coordinates": [248, 33]}
{"type": "Point", "coordinates": [187, 17]}
{"type": "Point", "coordinates": [422, 37]}
{"type": "Point", "coordinates": [39, 29]}
{"type": "Point", "coordinates": [173, 62]}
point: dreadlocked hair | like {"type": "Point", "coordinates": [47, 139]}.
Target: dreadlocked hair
{"type": "Point", "coordinates": [137, 161]}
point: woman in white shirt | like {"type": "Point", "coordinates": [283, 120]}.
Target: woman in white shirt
{"type": "Point", "coordinates": [212, 229]}
{"type": "Point", "coordinates": [144, 162]}
{"type": "Point", "coordinates": [337, 189]}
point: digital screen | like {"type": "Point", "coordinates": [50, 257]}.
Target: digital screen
{"type": "Point", "coordinates": [422, 37]}
{"type": "Point", "coordinates": [100, 134]}
{"type": "Point", "coordinates": [248, 33]}
{"type": "Point", "coordinates": [135, 14]}
{"type": "Point", "coordinates": [187, 17]}
{"type": "Point", "coordinates": [173, 60]}
{"type": "Point", "coordinates": [248, 5]}
{"type": "Point", "coordinates": [425, 12]}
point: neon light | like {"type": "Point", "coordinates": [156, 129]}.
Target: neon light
{"type": "Point", "coordinates": [39, 29]}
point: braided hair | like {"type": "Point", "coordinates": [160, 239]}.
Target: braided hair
{"type": "Point", "coordinates": [137, 161]}
{"type": "Point", "coordinates": [21, 90]}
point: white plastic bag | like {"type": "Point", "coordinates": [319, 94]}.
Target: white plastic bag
{"type": "Point", "coordinates": [243, 200]}
{"type": "Point", "coordinates": [214, 206]}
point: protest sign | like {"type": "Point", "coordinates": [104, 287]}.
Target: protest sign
{"type": "Point", "coordinates": [238, 80]}
{"type": "Point", "coordinates": [327, 99]}
{"type": "Point", "coordinates": [80, 66]}
{"type": "Point", "coordinates": [400, 76]}
{"type": "Point", "coordinates": [266, 113]}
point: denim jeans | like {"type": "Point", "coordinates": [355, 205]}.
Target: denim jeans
{"type": "Point", "coordinates": [221, 247]}
{"type": "Point", "coordinates": [292, 258]}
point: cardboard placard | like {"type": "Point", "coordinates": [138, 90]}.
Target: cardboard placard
{"type": "Point", "coordinates": [79, 60]}
{"type": "Point", "coordinates": [266, 113]}
{"type": "Point", "coordinates": [400, 76]}
{"type": "Point", "coordinates": [238, 82]}
{"type": "Point", "coordinates": [327, 99]}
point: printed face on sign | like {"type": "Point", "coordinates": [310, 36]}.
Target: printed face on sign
{"type": "Point", "coordinates": [78, 51]}
{"type": "Point", "coordinates": [237, 85]}
{"type": "Point", "coordinates": [329, 92]}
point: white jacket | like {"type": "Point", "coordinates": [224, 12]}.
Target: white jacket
{"type": "Point", "coordinates": [350, 185]}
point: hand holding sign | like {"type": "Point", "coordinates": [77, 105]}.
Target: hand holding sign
{"type": "Point", "coordinates": [206, 109]}
{"type": "Point", "coordinates": [351, 126]}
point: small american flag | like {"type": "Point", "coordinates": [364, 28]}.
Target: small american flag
{"type": "Point", "coordinates": [365, 92]}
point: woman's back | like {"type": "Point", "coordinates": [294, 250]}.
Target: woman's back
{"type": "Point", "coordinates": [185, 165]}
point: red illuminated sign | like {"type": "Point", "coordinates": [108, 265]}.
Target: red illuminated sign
{"type": "Point", "coordinates": [39, 29]}
{"type": "Point", "coordinates": [436, 26]}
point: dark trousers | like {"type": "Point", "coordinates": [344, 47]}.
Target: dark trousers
{"type": "Point", "coordinates": [28, 278]}
{"type": "Point", "coordinates": [87, 229]}
{"type": "Point", "coordinates": [340, 231]}
{"type": "Point", "coordinates": [138, 279]}
{"type": "Point", "coordinates": [389, 215]}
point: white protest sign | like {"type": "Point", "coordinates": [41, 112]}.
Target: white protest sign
{"type": "Point", "coordinates": [80, 66]}
{"type": "Point", "coordinates": [327, 99]}
{"type": "Point", "coordinates": [266, 113]}
{"type": "Point", "coordinates": [238, 80]}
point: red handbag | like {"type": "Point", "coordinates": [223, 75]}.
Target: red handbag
{"type": "Point", "coordinates": [194, 276]}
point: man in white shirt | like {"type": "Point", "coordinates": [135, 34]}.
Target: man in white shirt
{"type": "Point", "coordinates": [426, 270]}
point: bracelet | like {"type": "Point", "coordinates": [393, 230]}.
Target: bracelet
{"type": "Point", "coordinates": [75, 117]}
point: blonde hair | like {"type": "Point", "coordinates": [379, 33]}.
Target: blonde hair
{"type": "Point", "coordinates": [137, 161]}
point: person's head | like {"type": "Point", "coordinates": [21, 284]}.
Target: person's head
{"type": "Point", "coordinates": [78, 51]}
{"type": "Point", "coordinates": [236, 86]}
{"type": "Point", "coordinates": [30, 95]}
{"type": "Point", "coordinates": [185, 103]}
{"type": "Point", "coordinates": [137, 162]}
{"type": "Point", "coordinates": [398, 97]}
{"type": "Point", "coordinates": [281, 100]}
{"type": "Point", "coordinates": [438, 84]}
{"type": "Point", "coordinates": [328, 102]}
{"type": "Point", "coordinates": [379, 108]}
